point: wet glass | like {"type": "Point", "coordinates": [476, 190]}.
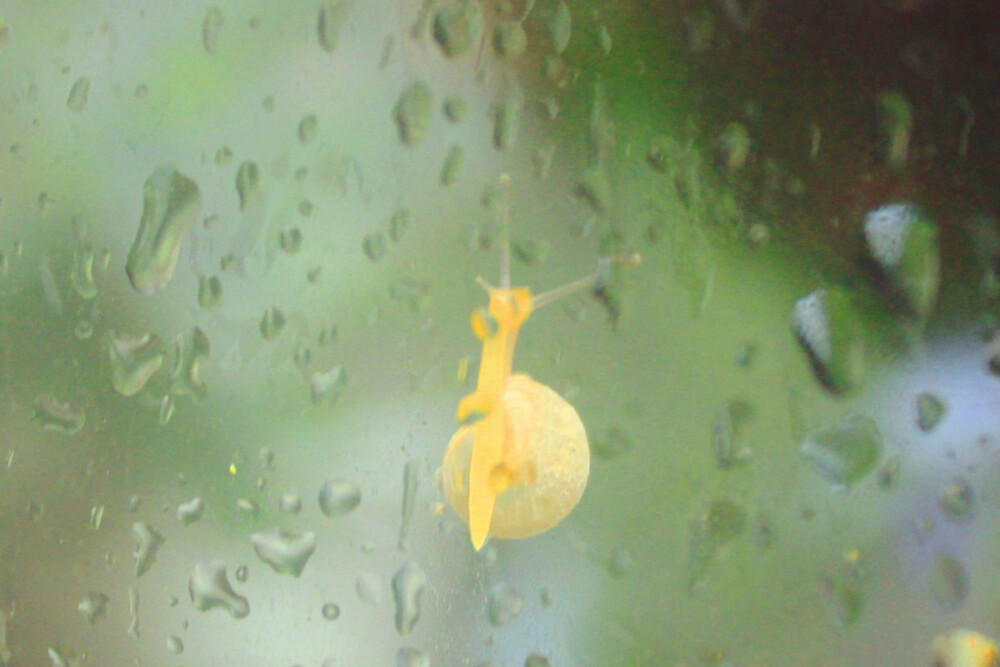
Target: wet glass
{"type": "Point", "coordinates": [245, 419]}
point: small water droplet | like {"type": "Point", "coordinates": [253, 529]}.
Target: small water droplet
{"type": "Point", "coordinates": [411, 657]}
{"type": "Point", "coordinates": [192, 347]}
{"type": "Point", "coordinates": [285, 552]}
{"type": "Point", "coordinates": [78, 94]}
{"type": "Point", "coordinates": [54, 415]}
{"type": "Point", "coordinates": [93, 607]}
{"type": "Point", "coordinates": [930, 410]}
{"type": "Point", "coordinates": [290, 240]}
{"type": "Point", "coordinates": [413, 113]}
{"type": "Point", "coordinates": [290, 503]}
{"type": "Point", "coordinates": [338, 497]}
{"type": "Point", "coordinates": [408, 585]}
{"type": "Point", "coordinates": [209, 292]}
{"type": "Point", "coordinates": [242, 574]}
{"type": "Point", "coordinates": [958, 501]}
{"type": "Point", "coordinates": [368, 588]}
{"type": "Point", "coordinates": [209, 588]}
{"type": "Point", "coordinates": [175, 645]}
{"type": "Point", "coordinates": [272, 323]}
{"type": "Point", "coordinates": [96, 517]}
{"type": "Point", "coordinates": [210, 28]}
{"type": "Point", "coordinates": [327, 386]}
{"type": "Point", "coordinates": [373, 246]}
{"type": "Point", "coordinates": [332, 18]}
{"type": "Point", "coordinates": [458, 27]}
{"type": "Point", "coordinates": [948, 582]}
{"type": "Point", "coordinates": [248, 184]}
{"type": "Point", "coordinates": [331, 612]}
{"type": "Point", "coordinates": [190, 511]}
{"type": "Point", "coordinates": [134, 359]}
{"type": "Point", "coordinates": [147, 543]}
{"type": "Point", "coordinates": [411, 477]}
{"type": "Point", "coordinates": [503, 604]}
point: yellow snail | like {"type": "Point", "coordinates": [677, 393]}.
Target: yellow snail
{"type": "Point", "coordinates": [523, 466]}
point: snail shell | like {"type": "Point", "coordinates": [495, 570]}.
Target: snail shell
{"type": "Point", "coordinates": [545, 445]}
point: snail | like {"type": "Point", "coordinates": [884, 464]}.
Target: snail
{"type": "Point", "coordinates": [522, 466]}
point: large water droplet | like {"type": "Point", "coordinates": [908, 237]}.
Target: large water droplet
{"type": "Point", "coordinates": [209, 588]}
{"type": "Point", "coordinates": [408, 585]}
{"type": "Point", "coordinates": [903, 239]}
{"type": "Point", "coordinates": [338, 497]}
{"type": "Point", "coordinates": [285, 552]}
{"type": "Point", "coordinates": [171, 206]}
{"type": "Point", "coordinates": [147, 543]}
{"type": "Point", "coordinates": [411, 477]}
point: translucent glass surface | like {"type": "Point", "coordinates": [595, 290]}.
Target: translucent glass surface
{"type": "Point", "coordinates": [240, 245]}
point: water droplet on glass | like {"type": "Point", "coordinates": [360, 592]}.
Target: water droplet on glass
{"type": "Point", "coordinates": [532, 252]}
{"type": "Point", "coordinates": [82, 275]}
{"type": "Point", "coordinates": [285, 552]}
{"type": "Point", "coordinates": [930, 410]}
{"type": "Point", "coordinates": [54, 415]}
{"type": "Point", "coordinates": [93, 607]}
{"type": "Point", "coordinates": [248, 184]}
{"type": "Point", "coordinates": [368, 588]}
{"type": "Point", "coordinates": [411, 477]}
{"type": "Point", "coordinates": [895, 124]}
{"type": "Point", "coordinates": [503, 604]}
{"type": "Point", "coordinates": [272, 323]}
{"type": "Point", "coordinates": [331, 612]}
{"type": "Point", "coordinates": [248, 507]}
{"type": "Point", "coordinates": [620, 562]}
{"type": "Point", "coordinates": [191, 511]}
{"type": "Point", "coordinates": [58, 657]}
{"type": "Point", "coordinates": [454, 108]}
{"type": "Point", "coordinates": [134, 359]}
{"type": "Point", "coordinates": [536, 660]}
{"type": "Point", "coordinates": [242, 574]}
{"type": "Point", "coordinates": [192, 347]}
{"type": "Point", "coordinates": [845, 453]}
{"type": "Point", "coordinates": [307, 128]}
{"type": "Point", "coordinates": [506, 120]}
{"type": "Point", "coordinates": [327, 386]}
{"type": "Point", "coordinates": [332, 17]}
{"type": "Point", "coordinates": [78, 94]}
{"type": "Point", "coordinates": [947, 581]}
{"type": "Point", "coordinates": [903, 239]}
{"type": "Point", "coordinates": [290, 240]}
{"type": "Point", "coordinates": [338, 497]}
{"type": "Point", "coordinates": [171, 205]}
{"type": "Point", "coordinates": [175, 645]}
{"type": "Point", "coordinates": [96, 517]}
{"type": "Point", "coordinates": [209, 588]}
{"type": "Point", "coordinates": [147, 543]}
{"type": "Point", "coordinates": [210, 28]}
{"type": "Point", "coordinates": [223, 155]}
{"type": "Point", "coordinates": [958, 501]}
{"type": "Point", "coordinates": [844, 600]}
{"type": "Point", "coordinates": [411, 657]}
{"type": "Point", "coordinates": [611, 444]}
{"type": "Point", "coordinates": [458, 27]}
{"type": "Point", "coordinates": [825, 323]}
{"type": "Point", "coordinates": [374, 246]}
{"type": "Point", "coordinates": [408, 585]}
{"type": "Point", "coordinates": [560, 28]}
{"type": "Point", "coordinates": [509, 39]}
{"type": "Point", "coordinates": [452, 165]}
{"type": "Point", "coordinates": [398, 222]}
{"type": "Point", "coordinates": [209, 292]}
{"type": "Point", "coordinates": [290, 503]}
{"type": "Point", "coordinates": [413, 113]}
